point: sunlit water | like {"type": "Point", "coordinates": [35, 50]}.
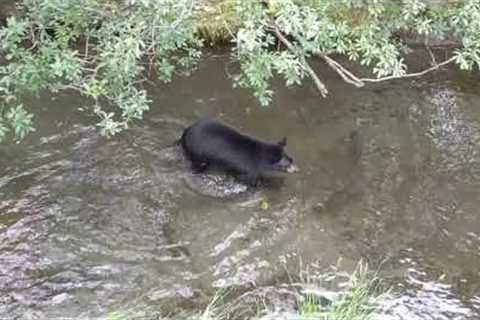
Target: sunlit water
{"type": "Point", "coordinates": [389, 173]}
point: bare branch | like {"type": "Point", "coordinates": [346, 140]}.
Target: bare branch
{"type": "Point", "coordinates": [87, 43]}
{"type": "Point", "coordinates": [349, 77]}
{"type": "Point", "coordinates": [320, 86]}
{"type": "Point", "coordinates": [410, 75]}
{"type": "Point", "coordinates": [346, 75]}
{"type": "Point", "coordinates": [432, 56]}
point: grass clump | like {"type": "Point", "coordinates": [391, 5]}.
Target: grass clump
{"type": "Point", "coordinates": [215, 310]}
{"type": "Point", "coordinates": [358, 302]}
{"type": "Point", "coordinates": [218, 22]}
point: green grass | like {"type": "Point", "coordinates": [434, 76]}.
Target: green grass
{"type": "Point", "coordinates": [356, 303]}
{"type": "Point", "coordinates": [215, 310]}
{"type": "Point", "coordinates": [218, 22]}
{"type": "Point", "coordinates": [310, 307]}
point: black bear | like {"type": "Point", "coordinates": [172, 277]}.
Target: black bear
{"type": "Point", "coordinates": [209, 143]}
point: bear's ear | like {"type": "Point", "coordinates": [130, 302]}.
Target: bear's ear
{"type": "Point", "coordinates": [283, 142]}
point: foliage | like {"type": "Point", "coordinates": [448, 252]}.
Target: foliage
{"type": "Point", "coordinates": [467, 24]}
{"type": "Point", "coordinates": [364, 31]}
{"type": "Point", "coordinates": [100, 48]}
{"type": "Point", "coordinates": [106, 49]}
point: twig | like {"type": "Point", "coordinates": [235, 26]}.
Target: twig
{"type": "Point", "coordinates": [321, 87]}
{"type": "Point", "coordinates": [86, 46]}
{"type": "Point", "coordinates": [432, 56]}
{"type": "Point", "coordinates": [69, 86]}
{"type": "Point", "coordinates": [229, 30]}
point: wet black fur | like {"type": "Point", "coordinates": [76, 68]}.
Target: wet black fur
{"type": "Point", "coordinates": [208, 143]}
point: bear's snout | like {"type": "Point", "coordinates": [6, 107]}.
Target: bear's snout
{"type": "Point", "coordinates": [292, 168]}
{"type": "Point", "coordinates": [286, 164]}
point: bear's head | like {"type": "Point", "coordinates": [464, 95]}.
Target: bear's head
{"type": "Point", "coordinates": [283, 162]}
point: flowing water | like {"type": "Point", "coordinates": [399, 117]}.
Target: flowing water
{"type": "Point", "coordinates": [389, 173]}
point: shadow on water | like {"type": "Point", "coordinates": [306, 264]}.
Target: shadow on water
{"type": "Point", "coordinates": [390, 173]}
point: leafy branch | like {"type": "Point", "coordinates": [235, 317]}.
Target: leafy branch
{"type": "Point", "coordinates": [99, 48]}
{"type": "Point", "coordinates": [320, 86]}
{"type": "Point", "coordinates": [319, 29]}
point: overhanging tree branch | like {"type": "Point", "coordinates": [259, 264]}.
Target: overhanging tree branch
{"type": "Point", "coordinates": [321, 87]}
{"type": "Point", "coordinates": [344, 73]}
{"type": "Point", "coordinates": [349, 77]}
{"type": "Point", "coordinates": [411, 75]}
{"type": "Point", "coordinates": [359, 82]}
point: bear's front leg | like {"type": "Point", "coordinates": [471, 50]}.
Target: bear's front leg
{"type": "Point", "coordinates": [249, 178]}
{"type": "Point", "coordinates": [199, 166]}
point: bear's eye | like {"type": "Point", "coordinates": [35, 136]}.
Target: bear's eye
{"type": "Point", "coordinates": [280, 156]}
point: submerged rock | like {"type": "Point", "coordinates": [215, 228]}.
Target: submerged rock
{"type": "Point", "coordinates": [215, 185]}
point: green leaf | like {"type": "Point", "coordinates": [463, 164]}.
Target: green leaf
{"type": "Point", "coordinates": [264, 205]}
{"type": "Point", "coordinates": [20, 120]}
{"type": "Point", "coordinates": [108, 126]}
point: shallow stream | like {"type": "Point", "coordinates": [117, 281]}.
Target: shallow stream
{"type": "Point", "coordinates": [389, 173]}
